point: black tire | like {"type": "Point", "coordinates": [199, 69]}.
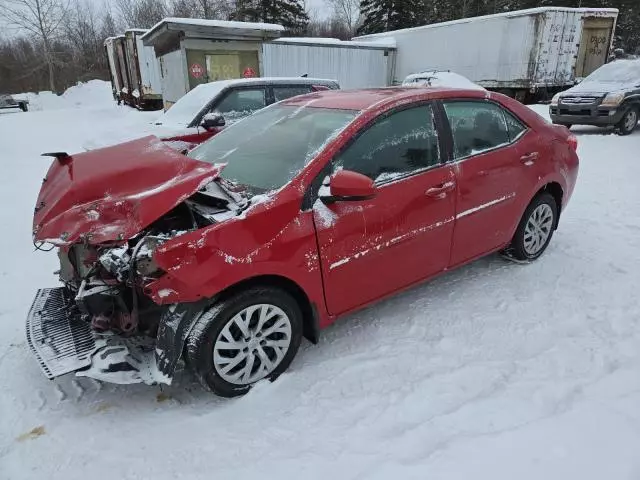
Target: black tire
{"type": "Point", "coordinates": [201, 340]}
{"type": "Point", "coordinates": [628, 125]}
{"type": "Point", "coordinates": [23, 107]}
{"type": "Point", "coordinates": [517, 248]}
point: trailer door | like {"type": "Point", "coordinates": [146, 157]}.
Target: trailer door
{"type": "Point", "coordinates": [594, 45]}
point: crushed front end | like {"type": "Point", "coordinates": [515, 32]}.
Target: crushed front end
{"type": "Point", "coordinates": [106, 218]}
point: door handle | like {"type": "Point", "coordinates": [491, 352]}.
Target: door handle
{"type": "Point", "coordinates": [440, 190]}
{"type": "Point", "coordinates": [529, 158]}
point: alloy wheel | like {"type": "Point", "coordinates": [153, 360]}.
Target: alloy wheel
{"type": "Point", "coordinates": [538, 229]}
{"type": "Point", "coordinates": [252, 344]}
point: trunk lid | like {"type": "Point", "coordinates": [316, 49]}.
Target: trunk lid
{"type": "Point", "coordinates": [112, 193]}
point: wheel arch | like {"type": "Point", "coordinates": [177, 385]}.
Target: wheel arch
{"type": "Point", "coordinates": [556, 191]}
{"type": "Point", "coordinates": [310, 316]}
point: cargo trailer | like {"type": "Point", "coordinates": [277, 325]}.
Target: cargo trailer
{"type": "Point", "coordinates": [526, 54]}
{"type": "Point", "coordinates": [195, 51]}
{"type": "Point", "coordinates": [352, 64]}
{"type": "Point", "coordinates": [115, 72]}
{"type": "Point", "coordinates": [144, 90]}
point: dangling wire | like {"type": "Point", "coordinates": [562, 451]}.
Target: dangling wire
{"type": "Point", "coordinates": [39, 245]}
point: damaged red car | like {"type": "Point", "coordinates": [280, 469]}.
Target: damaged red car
{"type": "Point", "coordinates": [223, 259]}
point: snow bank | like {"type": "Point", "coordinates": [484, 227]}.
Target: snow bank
{"type": "Point", "coordinates": [94, 93]}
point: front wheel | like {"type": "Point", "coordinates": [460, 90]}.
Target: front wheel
{"type": "Point", "coordinates": [629, 121]}
{"type": "Point", "coordinates": [535, 229]}
{"type": "Point", "coordinates": [246, 338]}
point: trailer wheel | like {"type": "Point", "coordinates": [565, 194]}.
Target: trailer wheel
{"type": "Point", "coordinates": [23, 106]}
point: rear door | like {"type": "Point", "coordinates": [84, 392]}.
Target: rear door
{"type": "Point", "coordinates": [494, 155]}
{"type": "Point", "coordinates": [594, 45]}
{"type": "Point", "coordinates": [371, 248]}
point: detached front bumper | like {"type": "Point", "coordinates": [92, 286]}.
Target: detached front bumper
{"type": "Point", "coordinates": [63, 342]}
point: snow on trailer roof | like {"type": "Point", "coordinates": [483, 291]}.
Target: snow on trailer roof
{"type": "Point", "coordinates": [383, 43]}
{"type": "Point", "coordinates": [197, 27]}
{"type": "Point", "coordinates": [604, 12]}
{"type": "Point", "coordinates": [140, 30]}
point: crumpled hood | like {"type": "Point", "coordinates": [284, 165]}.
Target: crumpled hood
{"type": "Point", "coordinates": [112, 193]}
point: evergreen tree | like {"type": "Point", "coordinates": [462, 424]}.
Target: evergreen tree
{"type": "Point", "coordinates": [384, 15]}
{"type": "Point", "coordinates": [288, 13]}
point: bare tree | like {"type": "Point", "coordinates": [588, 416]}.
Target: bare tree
{"type": "Point", "coordinates": [141, 13]}
{"type": "Point", "coordinates": [347, 12]}
{"type": "Point", "coordinates": [43, 18]}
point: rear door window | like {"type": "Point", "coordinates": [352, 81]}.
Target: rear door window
{"type": "Point", "coordinates": [479, 126]}
{"type": "Point", "coordinates": [287, 91]}
{"type": "Point", "coordinates": [239, 103]}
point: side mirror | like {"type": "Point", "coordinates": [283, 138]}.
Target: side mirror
{"type": "Point", "coordinates": [346, 185]}
{"type": "Point", "coordinates": [211, 121]}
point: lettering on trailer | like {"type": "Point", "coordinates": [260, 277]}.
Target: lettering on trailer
{"type": "Point", "coordinates": [196, 70]}
{"type": "Point", "coordinates": [597, 43]}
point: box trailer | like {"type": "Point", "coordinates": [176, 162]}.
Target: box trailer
{"type": "Point", "coordinates": [352, 64]}
{"type": "Point", "coordinates": [523, 53]}
{"type": "Point", "coordinates": [115, 74]}
{"type": "Point", "coordinates": [118, 69]}
{"type": "Point", "coordinates": [195, 51]}
{"type": "Point", "coordinates": [144, 90]}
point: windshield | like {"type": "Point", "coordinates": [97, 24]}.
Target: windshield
{"type": "Point", "coordinates": [620, 71]}
{"type": "Point", "coordinates": [266, 150]}
{"type": "Point", "coordinates": [184, 110]}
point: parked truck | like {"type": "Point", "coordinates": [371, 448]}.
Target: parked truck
{"type": "Point", "coordinates": [530, 53]}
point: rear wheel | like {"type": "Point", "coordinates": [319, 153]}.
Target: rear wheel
{"type": "Point", "coordinates": [23, 107]}
{"type": "Point", "coordinates": [251, 336]}
{"type": "Point", "coordinates": [535, 229]}
{"type": "Point", "coordinates": [629, 121]}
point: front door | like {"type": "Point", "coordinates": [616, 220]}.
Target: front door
{"type": "Point", "coordinates": [492, 155]}
{"type": "Point", "coordinates": [371, 248]}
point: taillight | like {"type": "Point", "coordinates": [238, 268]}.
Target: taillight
{"type": "Point", "coordinates": [572, 140]}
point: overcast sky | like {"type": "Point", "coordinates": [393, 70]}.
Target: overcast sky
{"type": "Point", "coordinates": [317, 8]}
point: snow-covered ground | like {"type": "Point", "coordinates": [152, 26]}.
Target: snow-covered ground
{"type": "Point", "coordinates": [494, 371]}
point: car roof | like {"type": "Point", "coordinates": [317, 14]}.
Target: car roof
{"type": "Point", "coordinates": [219, 84]}
{"type": "Point", "coordinates": [378, 98]}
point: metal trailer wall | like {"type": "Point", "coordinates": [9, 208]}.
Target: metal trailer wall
{"type": "Point", "coordinates": [515, 50]}
{"type": "Point", "coordinates": [150, 78]}
{"type": "Point", "coordinates": [121, 59]}
{"type": "Point", "coordinates": [351, 66]}
{"type": "Point", "coordinates": [173, 70]}
{"type": "Point", "coordinates": [114, 67]}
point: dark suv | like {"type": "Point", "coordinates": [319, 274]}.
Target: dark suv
{"type": "Point", "coordinates": [610, 96]}
{"type": "Point", "coordinates": [7, 101]}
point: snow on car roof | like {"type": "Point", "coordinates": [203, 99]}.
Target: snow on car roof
{"type": "Point", "coordinates": [436, 78]}
{"type": "Point", "coordinates": [185, 109]}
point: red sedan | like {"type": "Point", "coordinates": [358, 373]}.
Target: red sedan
{"type": "Point", "coordinates": [307, 210]}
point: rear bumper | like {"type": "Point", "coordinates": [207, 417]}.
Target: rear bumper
{"type": "Point", "coordinates": [63, 342]}
{"type": "Point", "coordinates": [587, 116]}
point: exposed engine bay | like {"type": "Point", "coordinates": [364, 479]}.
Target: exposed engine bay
{"type": "Point", "coordinates": [110, 325]}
